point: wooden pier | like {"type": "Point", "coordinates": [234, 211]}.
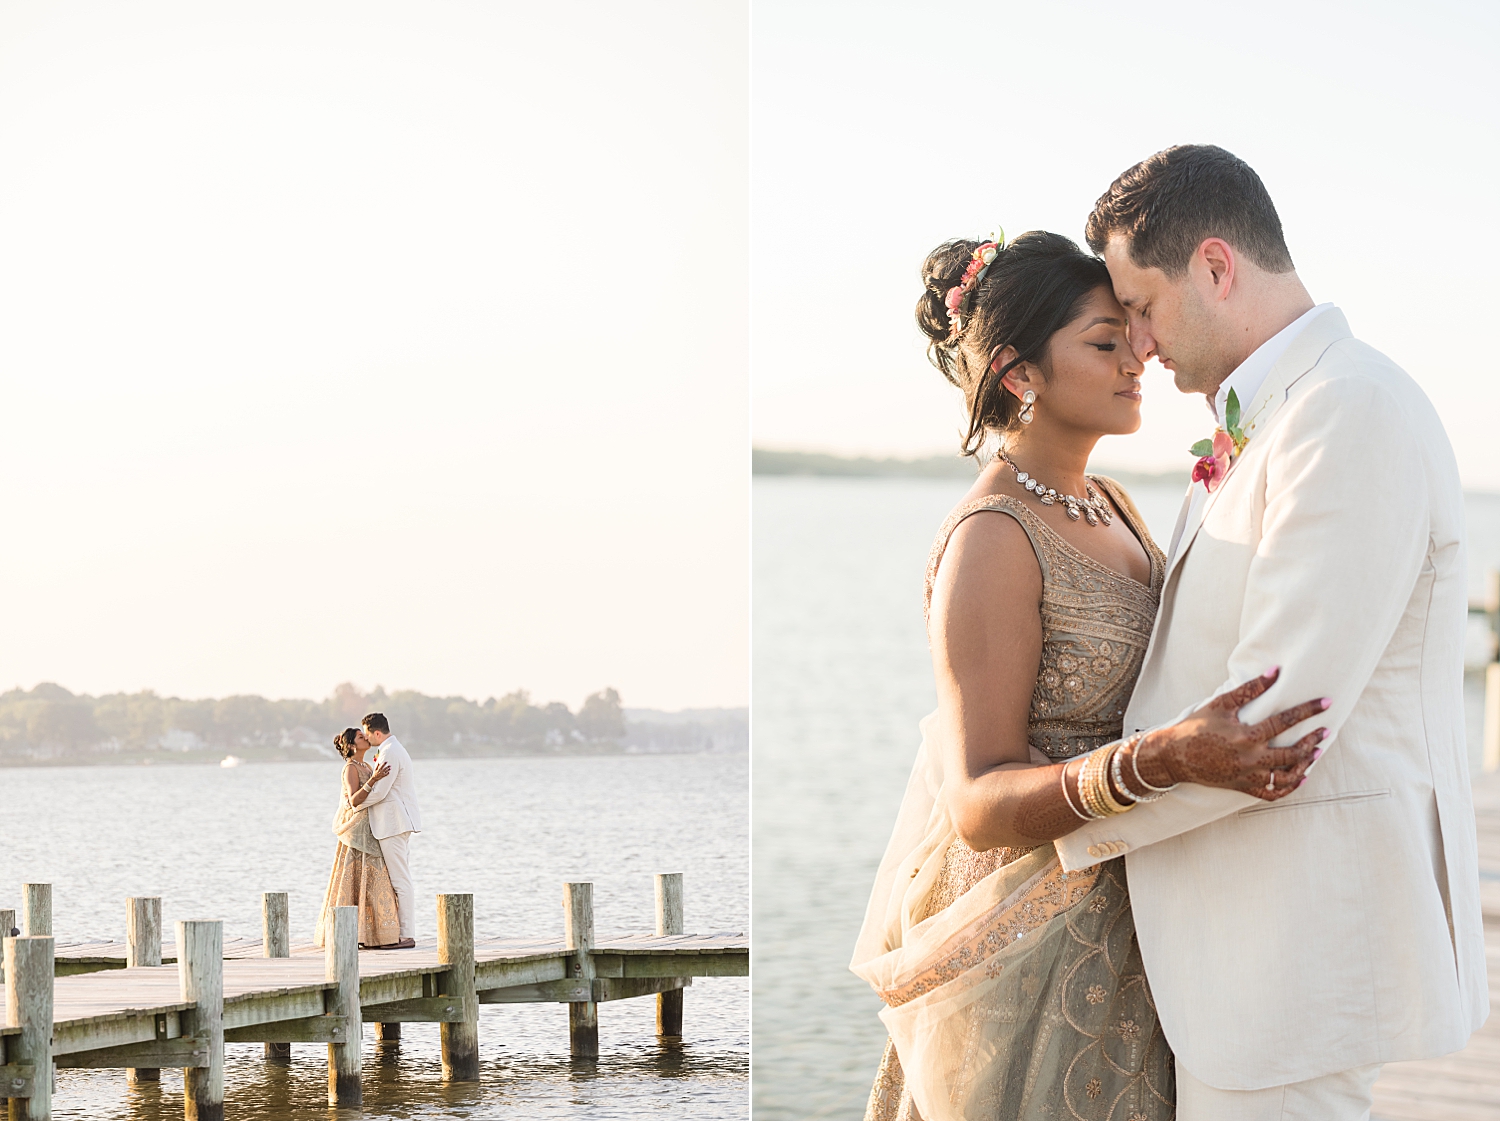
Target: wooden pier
{"type": "Point", "coordinates": [145, 1003]}
{"type": "Point", "coordinates": [1465, 1086]}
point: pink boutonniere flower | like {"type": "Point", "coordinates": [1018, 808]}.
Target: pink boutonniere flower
{"type": "Point", "coordinates": [1211, 468]}
{"type": "Point", "coordinates": [1218, 454]}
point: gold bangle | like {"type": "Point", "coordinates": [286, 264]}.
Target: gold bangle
{"type": "Point", "coordinates": [1095, 779]}
{"type": "Point", "coordinates": [1105, 766]}
{"type": "Point", "coordinates": [1068, 798]}
{"type": "Point", "coordinates": [1086, 793]}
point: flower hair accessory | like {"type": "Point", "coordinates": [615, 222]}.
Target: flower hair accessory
{"type": "Point", "coordinates": [979, 263]}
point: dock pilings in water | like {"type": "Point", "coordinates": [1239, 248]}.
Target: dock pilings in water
{"type": "Point", "coordinates": [113, 1005]}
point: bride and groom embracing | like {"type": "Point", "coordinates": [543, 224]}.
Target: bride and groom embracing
{"type": "Point", "coordinates": [376, 817]}
{"type": "Point", "coordinates": [1190, 833]}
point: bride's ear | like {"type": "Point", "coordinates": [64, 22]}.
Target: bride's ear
{"type": "Point", "coordinates": [1020, 377]}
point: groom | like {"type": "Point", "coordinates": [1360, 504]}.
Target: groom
{"type": "Point", "coordinates": [1295, 946]}
{"type": "Point", "coordinates": [394, 818]}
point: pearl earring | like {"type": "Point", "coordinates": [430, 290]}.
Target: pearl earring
{"type": "Point", "coordinates": [1028, 407]}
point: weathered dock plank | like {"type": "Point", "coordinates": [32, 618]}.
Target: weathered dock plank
{"type": "Point", "coordinates": [111, 1006]}
{"type": "Point", "coordinates": [1463, 1086]}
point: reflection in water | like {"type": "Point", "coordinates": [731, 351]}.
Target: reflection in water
{"type": "Point", "coordinates": [635, 1073]}
{"type": "Point", "coordinates": [509, 830]}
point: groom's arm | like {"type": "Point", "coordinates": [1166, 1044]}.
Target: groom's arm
{"type": "Point", "coordinates": [1344, 537]}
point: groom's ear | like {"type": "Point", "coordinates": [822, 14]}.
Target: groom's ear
{"type": "Point", "coordinates": [1213, 266]}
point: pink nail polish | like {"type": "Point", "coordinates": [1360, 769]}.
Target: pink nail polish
{"type": "Point", "coordinates": [1323, 734]}
{"type": "Point", "coordinates": [1326, 702]}
{"type": "Point", "coordinates": [1317, 754]}
{"type": "Point", "coordinates": [1272, 672]}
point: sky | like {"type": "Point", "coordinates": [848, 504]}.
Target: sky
{"type": "Point", "coordinates": [1376, 128]}
{"type": "Point", "coordinates": [394, 343]}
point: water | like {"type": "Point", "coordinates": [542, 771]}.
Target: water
{"type": "Point", "coordinates": [511, 831]}
{"type": "Point", "coordinates": [842, 677]}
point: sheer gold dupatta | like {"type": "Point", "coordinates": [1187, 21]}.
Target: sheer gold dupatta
{"type": "Point", "coordinates": [1022, 999]}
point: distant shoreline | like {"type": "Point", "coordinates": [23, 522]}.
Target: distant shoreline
{"type": "Point", "coordinates": [765, 461]}
{"type": "Point", "coordinates": [251, 757]}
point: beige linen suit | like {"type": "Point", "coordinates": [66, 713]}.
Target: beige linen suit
{"type": "Point", "coordinates": [394, 817]}
{"type": "Point", "coordinates": [1339, 927]}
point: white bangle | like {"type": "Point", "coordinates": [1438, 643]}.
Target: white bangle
{"type": "Point", "coordinates": [1135, 767]}
{"type": "Point", "coordinates": [1068, 798]}
{"type": "Point", "coordinates": [1116, 772]}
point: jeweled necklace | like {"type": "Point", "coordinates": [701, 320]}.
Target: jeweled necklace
{"type": "Point", "coordinates": [1092, 509]}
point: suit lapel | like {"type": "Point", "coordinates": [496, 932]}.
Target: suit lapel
{"type": "Point", "coordinates": [1300, 357]}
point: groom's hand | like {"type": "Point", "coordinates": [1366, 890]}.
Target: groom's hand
{"type": "Point", "coordinates": [1212, 747]}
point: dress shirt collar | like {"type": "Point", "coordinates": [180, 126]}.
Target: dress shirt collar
{"type": "Point", "coordinates": [1250, 374]}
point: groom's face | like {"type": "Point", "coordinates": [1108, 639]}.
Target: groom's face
{"type": "Point", "coordinates": [1167, 319]}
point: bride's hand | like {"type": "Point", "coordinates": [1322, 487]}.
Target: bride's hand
{"type": "Point", "coordinates": [380, 772]}
{"type": "Point", "coordinates": [1213, 748]}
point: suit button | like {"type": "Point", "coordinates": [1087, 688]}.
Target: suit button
{"type": "Point", "coordinates": [1093, 850]}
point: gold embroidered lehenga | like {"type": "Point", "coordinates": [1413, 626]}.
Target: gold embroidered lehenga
{"type": "Point", "coordinates": [1014, 991]}
{"type": "Point", "coordinates": [360, 877]}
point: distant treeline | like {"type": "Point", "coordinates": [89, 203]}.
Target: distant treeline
{"type": "Point", "coordinates": [763, 461]}
{"type": "Point", "coordinates": [51, 723]}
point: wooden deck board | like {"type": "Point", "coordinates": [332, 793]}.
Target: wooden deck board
{"type": "Point", "coordinates": [1464, 1086]}
{"type": "Point", "coordinates": [258, 989]}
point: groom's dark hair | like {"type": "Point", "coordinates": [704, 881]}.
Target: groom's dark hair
{"type": "Point", "coordinates": [376, 722]}
{"type": "Point", "coordinates": [1167, 205]}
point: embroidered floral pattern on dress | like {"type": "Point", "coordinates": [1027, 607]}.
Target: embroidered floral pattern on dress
{"type": "Point", "coordinates": [1050, 895]}
{"type": "Point", "coordinates": [1097, 1052]}
{"type": "Point", "coordinates": [1095, 626]}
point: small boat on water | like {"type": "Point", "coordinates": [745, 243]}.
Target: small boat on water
{"type": "Point", "coordinates": [230, 761]}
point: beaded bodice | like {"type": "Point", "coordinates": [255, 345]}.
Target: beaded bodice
{"type": "Point", "coordinates": [1095, 626]}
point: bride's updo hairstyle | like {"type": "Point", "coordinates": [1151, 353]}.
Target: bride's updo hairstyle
{"type": "Point", "coordinates": [1033, 288]}
{"type": "Point", "coordinates": [343, 743]}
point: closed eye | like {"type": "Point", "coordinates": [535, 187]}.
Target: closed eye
{"type": "Point", "coordinates": [1102, 346]}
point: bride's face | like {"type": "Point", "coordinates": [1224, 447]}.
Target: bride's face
{"type": "Point", "coordinates": [1094, 383]}
{"type": "Point", "coordinates": [361, 743]}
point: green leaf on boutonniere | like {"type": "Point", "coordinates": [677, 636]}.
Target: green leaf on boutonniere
{"type": "Point", "coordinates": [1232, 413]}
{"type": "Point", "coordinates": [1202, 448]}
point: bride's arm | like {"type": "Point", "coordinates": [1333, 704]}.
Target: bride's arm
{"type": "Point", "coordinates": [985, 629]}
{"type": "Point", "coordinates": [986, 635]}
{"type": "Point", "coordinates": [359, 792]}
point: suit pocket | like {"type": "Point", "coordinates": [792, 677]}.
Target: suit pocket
{"type": "Point", "coordinates": [1295, 803]}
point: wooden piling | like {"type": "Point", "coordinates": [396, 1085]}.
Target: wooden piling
{"type": "Point", "coordinates": [276, 942]}
{"type": "Point", "coordinates": [36, 910]}
{"type": "Point", "coordinates": [8, 928]}
{"type": "Point", "coordinates": [460, 1040]}
{"type": "Point", "coordinates": [142, 950]}
{"type": "Point", "coordinates": [388, 1033]}
{"type": "Point", "coordinates": [28, 1003]}
{"type": "Point", "coordinates": [341, 966]}
{"type": "Point", "coordinates": [669, 920]}
{"type": "Point", "coordinates": [578, 930]}
{"type": "Point", "coordinates": [200, 979]}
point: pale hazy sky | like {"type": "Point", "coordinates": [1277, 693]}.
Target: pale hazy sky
{"type": "Point", "coordinates": [1376, 127]}
{"type": "Point", "coordinates": [400, 343]}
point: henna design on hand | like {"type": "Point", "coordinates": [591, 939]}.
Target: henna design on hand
{"type": "Point", "coordinates": [1212, 747]}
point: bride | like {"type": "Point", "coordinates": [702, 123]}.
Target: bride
{"type": "Point", "coordinates": [359, 877]}
{"type": "Point", "coordinates": [1014, 990]}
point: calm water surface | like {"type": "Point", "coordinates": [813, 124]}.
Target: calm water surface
{"type": "Point", "coordinates": [512, 831]}
{"type": "Point", "coordinates": [842, 677]}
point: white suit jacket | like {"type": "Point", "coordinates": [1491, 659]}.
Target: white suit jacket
{"type": "Point", "coordinates": [1340, 926]}
{"type": "Point", "coordinates": [393, 800]}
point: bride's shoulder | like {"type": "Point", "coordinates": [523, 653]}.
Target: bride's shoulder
{"type": "Point", "coordinates": [984, 552]}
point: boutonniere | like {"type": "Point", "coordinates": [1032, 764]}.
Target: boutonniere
{"type": "Point", "coordinates": [1216, 455]}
